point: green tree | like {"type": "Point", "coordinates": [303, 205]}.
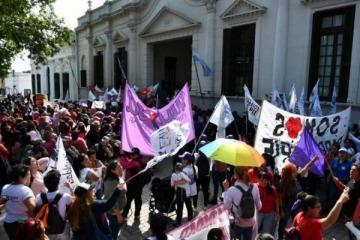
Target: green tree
{"type": "Point", "coordinates": [30, 25]}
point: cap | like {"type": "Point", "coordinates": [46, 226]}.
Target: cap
{"type": "Point", "coordinates": [105, 139]}
{"type": "Point", "coordinates": [343, 150]}
{"type": "Point", "coordinates": [202, 143]}
{"type": "Point", "coordinates": [82, 188]}
{"type": "Point", "coordinates": [186, 155]}
{"type": "Point", "coordinates": [263, 175]}
{"type": "Point", "coordinates": [135, 150]}
{"type": "Point", "coordinates": [204, 137]}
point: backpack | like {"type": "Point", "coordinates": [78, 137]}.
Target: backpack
{"type": "Point", "coordinates": [50, 216]}
{"type": "Point", "coordinates": [246, 206]}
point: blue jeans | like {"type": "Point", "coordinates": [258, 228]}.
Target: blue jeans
{"type": "Point", "coordinates": [244, 233]}
{"type": "Point", "coordinates": [114, 225]}
{"type": "Point", "coordinates": [266, 222]}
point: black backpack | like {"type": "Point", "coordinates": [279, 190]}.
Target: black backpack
{"type": "Point", "coordinates": [54, 222]}
{"type": "Point", "coordinates": [247, 204]}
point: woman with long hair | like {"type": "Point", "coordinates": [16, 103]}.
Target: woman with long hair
{"type": "Point", "coordinates": [232, 198]}
{"type": "Point", "coordinates": [85, 210]}
{"type": "Point", "coordinates": [36, 179]}
{"type": "Point", "coordinates": [32, 229]}
{"type": "Point", "coordinates": [270, 204]}
{"type": "Point", "coordinates": [307, 222]}
{"type": "Point", "coordinates": [112, 179]}
{"type": "Point", "coordinates": [20, 203]}
{"type": "Point", "coordinates": [82, 168]}
{"type": "Point", "coordinates": [288, 188]}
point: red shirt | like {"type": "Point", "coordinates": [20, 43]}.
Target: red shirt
{"type": "Point", "coordinates": [254, 178]}
{"type": "Point", "coordinates": [308, 228]}
{"type": "Point", "coordinates": [267, 200]}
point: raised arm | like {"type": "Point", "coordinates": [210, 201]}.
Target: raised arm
{"type": "Point", "coordinates": [309, 165]}
{"type": "Point", "coordinates": [335, 211]}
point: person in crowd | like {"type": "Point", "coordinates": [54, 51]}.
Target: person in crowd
{"type": "Point", "coordinates": [270, 204]}
{"type": "Point", "coordinates": [81, 128]}
{"type": "Point", "coordinates": [179, 175]}
{"type": "Point", "coordinates": [85, 210]}
{"type": "Point", "coordinates": [243, 227]}
{"type": "Point", "coordinates": [32, 229]}
{"type": "Point", "coordinates": [218, 175]}
{"type": "Point", "coordinates": [350, 147]}
{"type": "Point", "coordinates": [289, 187]}
{"type": "Point", "coordinates": [104, 150]}
{"type": "Point", "coordinates": [112, 179]}
{"type": "Point", "coordinates": [92, 137]}
{"type": "Point", "coordinates": [38, 151]}
{"type": "Point", "coordinates": [20, 203]}
{"type": "Point", "coordinates": [254, 172]}
{"type": "Point", "coordinates": [36, 168]}
{"type": "Point", "coordinates": [83, 170]}
{"type": "Point", "coordinates": [50, 140]}
{"type": "Point", "coordinates": [52, 182]}
{"type": "Point", "coordinates": [71, 152]}
{"type": "Point", "coordinates": [100, 169]}
{"type": "Point", "coordinates": [307, 222]}
{"type": "Point", "coordinates": [351, 208]}
{"type": "Point", "coordinates": [78, 143]}
{"type": "Point", "coordinates": [341, 171]}
{"type": "Point", "coordinates": [203, 181]}
{"type": "Point", "coordinates": [215, 234]}
{"type": "Point", "coordinates": [180, 193]}
{"type": "Point", "coordinates": [132, 167]}
{"type": "Point", "coordinates": [158, 224]}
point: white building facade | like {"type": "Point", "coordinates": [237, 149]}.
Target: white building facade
{"type": "Point", "coordinates": [260, 43]}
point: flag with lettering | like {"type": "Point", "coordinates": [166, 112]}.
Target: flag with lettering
{"type": "Point", "coordinates": [305, 150]}
{"type": "Point", "coordinates": [58, 160]}
{"type": "Point", "coordinates": [206, 69]}
{"type": "Point", "coordinates": [333, 102]}
{"type": "Point", "coordinates": [276, 99]}
{"type": "Point", "coordinates": [222, 116]}
{"type": "Point", "coordinates": [252, 108]}
{"type": "Point", "coordinates": [140, 121]}
{"type": "Point", "coordinates": [279, 131]}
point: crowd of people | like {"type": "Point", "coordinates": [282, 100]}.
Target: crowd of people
{"type": "Point", "coordinates": [102, 202]}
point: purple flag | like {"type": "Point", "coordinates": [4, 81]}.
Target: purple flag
{"type": "Point", "coordinates": [139, 121]}
{"type": "Point", "coordinates": [307, 149]}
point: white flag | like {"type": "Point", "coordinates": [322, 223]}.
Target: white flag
{"type": "Point", "coordinates": [113, 92]}
{"type": "Point", "coordinates": [293, 100]}
{"type": "Point", "coordinates": [313, 95]}
{"type": "Point", "coordinates": [119, 95]}
{"type": "Point", "coordinates": [300, 103]}
{"type": "Point", "coordinates": [91, 96]}
{"type": "Point", "coordinates": [316, 108]}
{"type": "Point", "coordinates": [59, 161]}
{"type": "Point", "coordinates": [333, 102]}
{"type": "Point", "coordinates": [222, 116]}
{"type": "Point", "coordinates": [252, 107]}
{"type": "Point", "coordinates": [106, 96]}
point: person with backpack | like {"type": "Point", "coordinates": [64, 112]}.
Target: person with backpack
{"type": "Point", "coordinates": [52, 206]}
{"type": "Point", "coordinates": [242, 200]}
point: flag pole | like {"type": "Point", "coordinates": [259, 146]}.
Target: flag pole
{"type": "Point", "coordinates": [197, 75]}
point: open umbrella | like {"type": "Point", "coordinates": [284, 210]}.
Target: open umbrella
{"type": "Point", "coordinates": [233, 152]}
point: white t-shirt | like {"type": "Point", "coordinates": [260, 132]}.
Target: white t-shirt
{"type": "Point", "coordinates": [64, 201]}
{"type": "Point", "coordinates": [15, 206]}
{"type": "Point", "coordinates": [189, 170]}
{"type": "Point", "coordinates": [177, 176]}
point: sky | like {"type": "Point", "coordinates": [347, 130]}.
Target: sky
{"type": "Point", "coordinates": [70, 10]}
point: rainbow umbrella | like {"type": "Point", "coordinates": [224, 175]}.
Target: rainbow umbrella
{"type": "Point", "coordinates": [233, 152]}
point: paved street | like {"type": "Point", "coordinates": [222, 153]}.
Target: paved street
{"type": "Point", "coordinates": [138, 230]}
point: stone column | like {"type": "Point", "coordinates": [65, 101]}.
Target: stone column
{"type": "Point", "coordinates": [280, 46]}
{"type": "Point", "coordinates": [108, 63]}
{"type": "Point", "coordinates": [132, 53]}
{"type": "Point", "coordinates": [90, 62]}
{"type": "Point", "coordinates": [207, 85]}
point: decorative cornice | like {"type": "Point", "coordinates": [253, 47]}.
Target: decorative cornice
{"type": "Point", "coordinates": [243, 9]}
{"type": "Point", "coordinates": [188, 23]}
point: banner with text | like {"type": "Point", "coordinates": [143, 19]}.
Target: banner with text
{"type": "Point", "coordinates": [59, 161]}
{"type": "Point", "coordinates": [279, 131]}
{"type": "Point", "coordinates": [196, 229]}
{"type": "Point", "coordinates": [139, 121]}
